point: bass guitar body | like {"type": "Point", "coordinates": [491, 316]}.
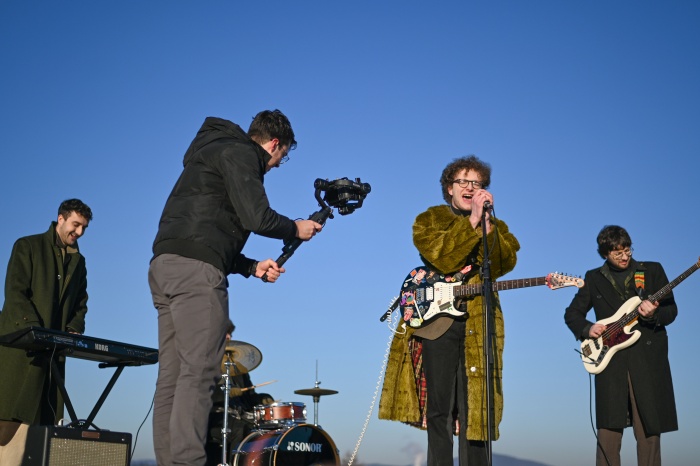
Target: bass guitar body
{"type": "Point", "coordinates": [596, 353]}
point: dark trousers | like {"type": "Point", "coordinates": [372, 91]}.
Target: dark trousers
{"type": "Point", "coordinates": [648, 446]}
{"type": "Point", "coordinates": [446, 380]}
{"type": "Point", "coordinates": [192, 302]}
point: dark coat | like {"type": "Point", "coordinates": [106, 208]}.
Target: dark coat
{"type": "Point", "coordinates": [39, 291]}
{"type": "Point", "coordinates": [646, 361]}
{"type": "Point", "coordinates": [219, 200]}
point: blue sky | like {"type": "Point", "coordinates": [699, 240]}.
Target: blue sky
{"type": "Point", "coordinates": [587, 111]}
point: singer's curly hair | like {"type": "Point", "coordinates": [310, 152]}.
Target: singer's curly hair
{"type": "Point", "coordinates": [471, 162]}
{"type": "Point", "coordinates": [612, 237]}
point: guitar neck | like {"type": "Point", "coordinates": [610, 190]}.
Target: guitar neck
{"type": "Point", "coordinates": [671, 285]}
{"type": "Point", "coordinates": [472, 289]}
{"type": "Point", "coordinates": [661, 293]}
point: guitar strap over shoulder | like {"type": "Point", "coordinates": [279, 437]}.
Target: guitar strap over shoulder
{"type": "Point", "coordinates": [470, 267]}
{"type": "Point", "coordinates": [639, 282]}
{"type": "Point", "coordinates": [459, 276]}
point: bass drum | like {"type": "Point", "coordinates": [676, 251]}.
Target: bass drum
{"type": "Point", "coordinates": [300, 445]}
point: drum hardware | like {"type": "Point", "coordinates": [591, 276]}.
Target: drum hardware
{"type": "Point", "coordinates": [317, 393]}
{"type": "Point", "coordinates": [239, 358]}
{"type": "Point", "coordinates": [245, 357]}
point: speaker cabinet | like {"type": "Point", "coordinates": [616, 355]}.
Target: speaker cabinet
{"type": "Point", "coordinates": [63, 446]}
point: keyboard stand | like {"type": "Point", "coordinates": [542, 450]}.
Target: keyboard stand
{"type": "Point", "coordinates": [56, 374]}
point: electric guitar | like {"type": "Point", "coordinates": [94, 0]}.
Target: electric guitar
{"type": "Point", "coordinates": [596, 353]}
{"type": "Point", "coordinates": [426, 294]}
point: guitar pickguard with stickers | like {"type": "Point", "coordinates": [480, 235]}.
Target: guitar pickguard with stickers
{"type": "Point", "coordinates": [426, 294]}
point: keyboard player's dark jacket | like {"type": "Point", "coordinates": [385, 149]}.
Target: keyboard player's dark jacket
{"type": "Point", "coordinates": [42, 288]}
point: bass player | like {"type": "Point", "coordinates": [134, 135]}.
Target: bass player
{"type": "Point", "coordinates": [635, 388]}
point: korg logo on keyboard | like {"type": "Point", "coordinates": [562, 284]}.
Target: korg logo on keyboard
{"type": "Point", "coordinates": [101, 347]}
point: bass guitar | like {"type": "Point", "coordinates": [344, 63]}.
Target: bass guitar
{"type": "Point", "coordinates": [596, 353]}
{"type": "Point", "coordinates": [426, 294]}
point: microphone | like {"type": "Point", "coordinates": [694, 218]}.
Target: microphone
{"type": "Point", "coordinates": [487, 205]}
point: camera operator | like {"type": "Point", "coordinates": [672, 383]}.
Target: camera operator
{"type": "Point", "coordinates": [216, 203]}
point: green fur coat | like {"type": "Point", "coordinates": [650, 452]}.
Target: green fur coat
{"type": "Point", "coordinates": [445, 241]}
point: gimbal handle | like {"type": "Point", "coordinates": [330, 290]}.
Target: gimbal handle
{"type": "Point", "coordinates": [289, 247]}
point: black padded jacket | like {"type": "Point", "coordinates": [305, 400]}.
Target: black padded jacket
{"type": "Point", "coordinates": [219, 200]}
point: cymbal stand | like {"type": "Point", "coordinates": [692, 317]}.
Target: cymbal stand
{"type": "Point", "coordinates": [317, 398]}
{"type": "Point", "coordinates": [225, 431]}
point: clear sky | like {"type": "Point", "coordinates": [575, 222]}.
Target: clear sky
{"type": "Point", "coordinates": [587, 111]}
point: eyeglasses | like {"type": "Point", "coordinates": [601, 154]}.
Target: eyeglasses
{"type": "Point", "coordinates": [617, 255]}
{"type": "Point", "coordinates": [465, 183]}
{"type": "Point", "coordinates": [285, 157]}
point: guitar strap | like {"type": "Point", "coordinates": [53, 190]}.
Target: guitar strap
{"type": "Point", "coordinates": [639, 282]}
{"type": "Point", "coordinates": [458, 276]}
{"type": "Point", "coordinates": [470, 266]}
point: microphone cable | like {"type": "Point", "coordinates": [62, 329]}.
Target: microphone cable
{"type": "Point", "coordinates": [376, 390]}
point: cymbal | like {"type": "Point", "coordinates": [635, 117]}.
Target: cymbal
{"type": "Point", "coordinates": [315, 391]}
{"type": "Point", "coordinates": [244, 356]}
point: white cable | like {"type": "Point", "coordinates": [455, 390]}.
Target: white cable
{"type": "Point", "coordinates": [379, 383]}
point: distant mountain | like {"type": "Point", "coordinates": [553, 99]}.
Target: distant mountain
{"type": "Point", "coordinates": [504, 460]}
{"type": "Point", "coordinates": [498, 460]}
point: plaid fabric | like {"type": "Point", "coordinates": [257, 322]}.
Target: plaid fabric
{"type": "Point", "coordinates": [416, 349]}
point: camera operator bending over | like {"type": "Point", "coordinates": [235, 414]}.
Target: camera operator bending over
{"type": "Point", "coordinates": [216, 203]}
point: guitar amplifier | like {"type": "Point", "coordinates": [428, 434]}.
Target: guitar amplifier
{"type": "Point", "coordinates": [63, 446]}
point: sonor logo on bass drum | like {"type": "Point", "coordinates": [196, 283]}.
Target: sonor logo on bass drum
{"type": "Point", "coordinates": [305, 446]}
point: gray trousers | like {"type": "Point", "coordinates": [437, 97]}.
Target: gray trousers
{"type": "Point", "coordinates": [192, 302]}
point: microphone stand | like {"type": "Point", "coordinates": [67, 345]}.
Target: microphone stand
{"type": "Point", "coordinates": [487, 292]}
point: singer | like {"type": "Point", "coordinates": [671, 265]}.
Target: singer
{"type": "Point", "coordinates": [435, 377]}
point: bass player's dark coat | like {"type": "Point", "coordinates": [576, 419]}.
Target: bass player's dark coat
{"type": "Point", "coordinates": [646, 361]}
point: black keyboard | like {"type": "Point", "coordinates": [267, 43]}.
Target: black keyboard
{"type": "Point", "coordinates": [80, 346]}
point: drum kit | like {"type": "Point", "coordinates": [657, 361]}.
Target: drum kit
{"type": "Point", "coordinates": [281, 436]}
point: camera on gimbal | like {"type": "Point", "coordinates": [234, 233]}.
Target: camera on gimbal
{"type": "Point", "coordinates": [343, 194]}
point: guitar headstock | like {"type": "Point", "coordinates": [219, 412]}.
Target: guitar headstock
{"type": "Point", "coordinates": [558, 280]}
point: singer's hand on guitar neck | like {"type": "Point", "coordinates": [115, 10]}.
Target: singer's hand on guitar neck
{"type": "Point", "coordinates": [478, 200]}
